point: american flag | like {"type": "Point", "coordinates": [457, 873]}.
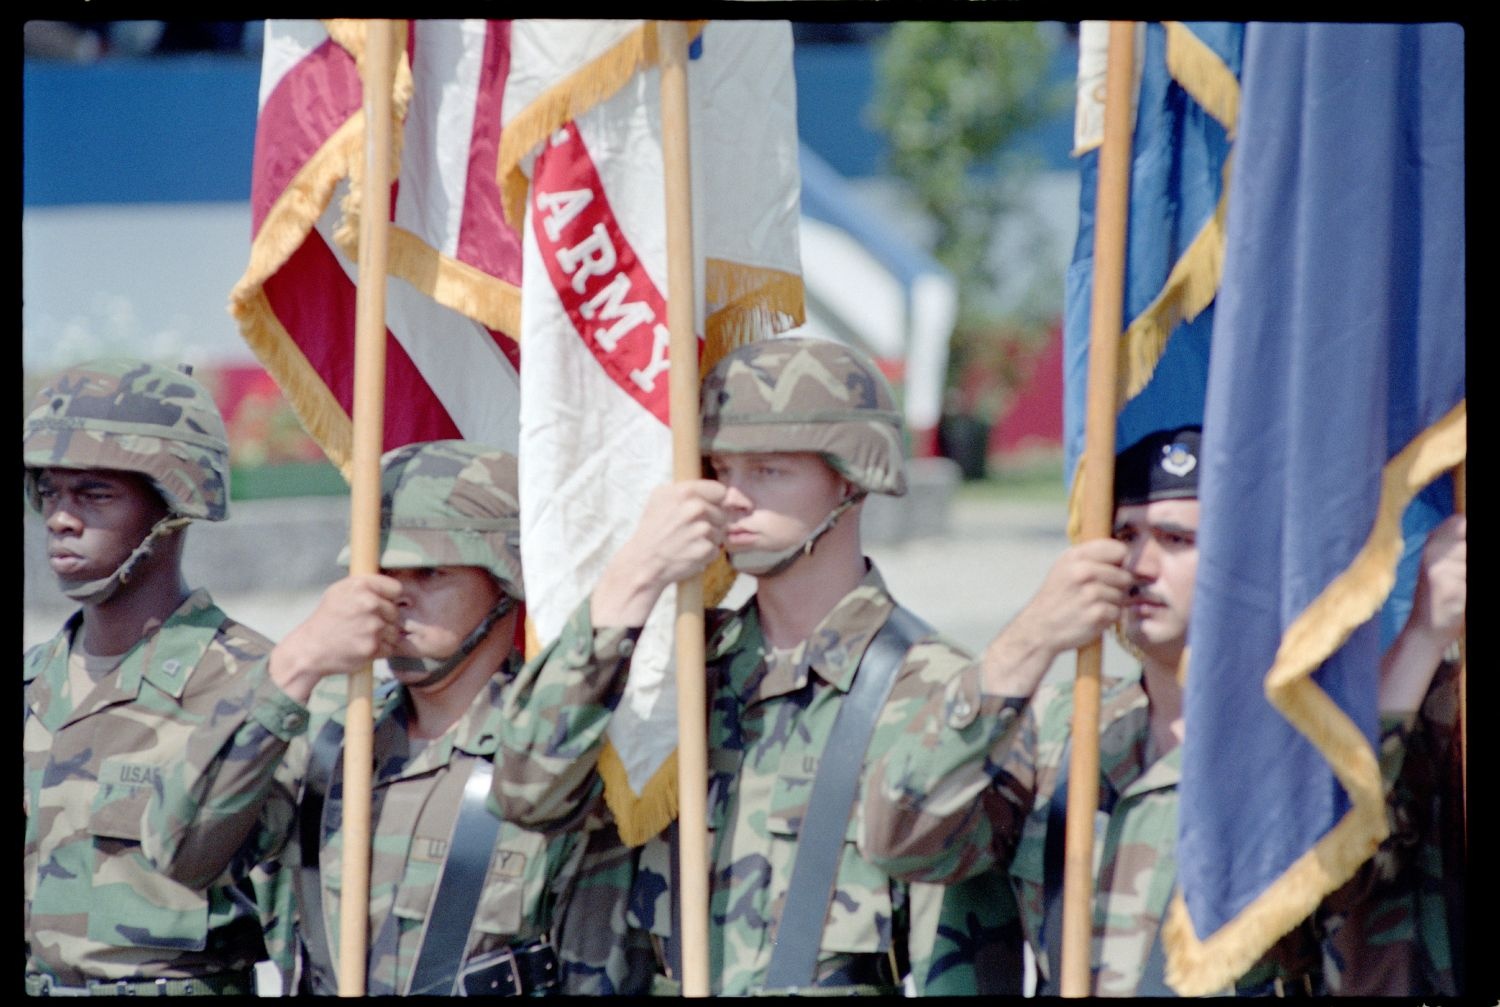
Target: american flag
{"type": "Point", "coordinates": [453, 306]}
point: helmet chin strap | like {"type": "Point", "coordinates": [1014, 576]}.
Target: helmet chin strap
{"type": "Point", "coordinates": [97, 592]}
{"type": "Point", "coordinates": [439, 668]}
{"type": "Point", "coordinates": [762, 563]}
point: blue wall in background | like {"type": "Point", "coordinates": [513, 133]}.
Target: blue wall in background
{"type": "Point", "coordinates": [834, 84]}
{"type": "Point", "coordinates": [168, 129]}
{"type": "Point", "coordinates": [174, 129]}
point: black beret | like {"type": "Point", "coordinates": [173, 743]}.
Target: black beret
{"type": "Point", "coordinates": [1160, 466]}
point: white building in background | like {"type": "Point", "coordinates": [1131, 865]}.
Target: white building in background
{"type": "Point", "coordinates": [869, 285]}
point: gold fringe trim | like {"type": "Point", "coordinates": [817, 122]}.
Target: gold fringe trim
{"type": "Point", "coordinates": [316, 407]}
{"type": "Point", "coordinates": [1357, 594]}
{"type": "Point", "coordinates": [566, 100]}
{"type": "Point", "coordinates": [717, 580]}
{"type": "Point", "coordinates": [1193, 282]}
{"type": "Point", "coordinates": [287, 225]}
{"type": "Point", "coordinates": [346, 233]}
{"type": "Point", "coordinates": [298, 208]}
{"type": "Point", "coordinates": [452, 283]}
{"type": "Point", "coordinates": [1198, 967]}
{"type": "Point", "coordinates": [1190, 287]}
{"type": "Point", "coordinates": [487, 299]}
{"type": "Point", "coordinates": [747, 303]}
{"type": "Point", "coordinates": [1203, 75]}
{"type": "Point", "coordinates": [638, 817]}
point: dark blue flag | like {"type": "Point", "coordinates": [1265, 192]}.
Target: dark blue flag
{"type": "Point", "coordinates": [1186, 104]}
{"type": "Point", "coordinates": [1336, 395]}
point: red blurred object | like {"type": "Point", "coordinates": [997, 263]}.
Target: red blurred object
{"type": "Point", "coordinates": [263, 428]}
{"type": "Point", "coordinates": [1034, 417]}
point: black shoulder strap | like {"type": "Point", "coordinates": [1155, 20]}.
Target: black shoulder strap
{"type": "Point", "coordinates": [1052, 873]}
{"type": "Point", "coordinates": [1153, 982]}
{"type": "Point", "coordinates": [799, 934]}
{"type": "Point", "coordinates": [451, 913]}
{"type": "Point", "coordinates": [319, 777]}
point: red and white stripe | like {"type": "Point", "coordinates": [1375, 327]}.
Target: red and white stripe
{"type": "Point", "coordinates": [448, 375]}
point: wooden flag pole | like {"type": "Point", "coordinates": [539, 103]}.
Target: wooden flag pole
{"type": "Point", "coordinates": [1097, 512]}
{"type": "Point", "coordinates": [692, 700]}
{"type": "Point", "coordinates": [364, 511]}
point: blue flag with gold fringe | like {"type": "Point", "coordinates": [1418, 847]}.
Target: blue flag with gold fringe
{"type": "Point", "coordinates": [1186, 103]}
{"type": "Point", "coordinates": [1336, 395]}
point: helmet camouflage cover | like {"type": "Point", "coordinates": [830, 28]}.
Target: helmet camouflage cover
{"type": "Point", "coordinates": [451, 503]}
{"type": "Point", "coordinates": [803, 394]}
{"type": "Point", "coordinates": [132, 416]}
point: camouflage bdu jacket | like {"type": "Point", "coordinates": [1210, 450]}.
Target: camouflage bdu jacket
{"type": "Point", "coordinates": [1396, 929]}
{"type": "Point", "coordinates": [96, 907]}
{"type": "Point", "coordinates": [970, 752]}
{"type": "Point", "coordinates": [257, 757]}
{"type": "Point", "coordinates": [770, 715]}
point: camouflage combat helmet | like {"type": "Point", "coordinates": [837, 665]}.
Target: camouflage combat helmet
{"type": "Point", "coordinates": [451, 503]}
{"type": "Point", "coordinates": [803, 394]}
{"type": "Point", "coordinates": [132, 416]}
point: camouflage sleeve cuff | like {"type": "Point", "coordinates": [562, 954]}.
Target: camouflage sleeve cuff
{"type": "Point", "coordinates": [613, 644]}
{"type": "Point", "coordinates": [590, 660]}
{"type": "Point", "coordinates": [610, 648]}
{"type": "Point", "coordinates": [966, 702]}
{"type": "Point", "coordinates": [279, 713]}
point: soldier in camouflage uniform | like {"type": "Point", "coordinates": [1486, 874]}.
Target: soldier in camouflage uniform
{"type": "Point", "coordinates": [1396, 929]}
{"type": "Point", "coordinates": [118, 457]}
{"type": "Point", "coordinates": [445, 613]}
{"type": "Point", "coordinates": [797, 431]}
{"type": "Point", "coordinates": [998, 739]}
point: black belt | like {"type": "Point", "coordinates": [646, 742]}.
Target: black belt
{"type": "Point", "coordinates": [857, 970]}
{"type": "Point", "coordinates": [528, 970]}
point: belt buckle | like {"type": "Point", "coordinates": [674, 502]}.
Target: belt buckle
{"type": "Point", "coordinates": [502, 956]}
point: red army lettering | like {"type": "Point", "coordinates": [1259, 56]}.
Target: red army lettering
{"type": "Point", "coordinates": [603, 287]}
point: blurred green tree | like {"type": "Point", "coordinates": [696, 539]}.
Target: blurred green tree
{"type": "Point", "coordinates": [953, 98]}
